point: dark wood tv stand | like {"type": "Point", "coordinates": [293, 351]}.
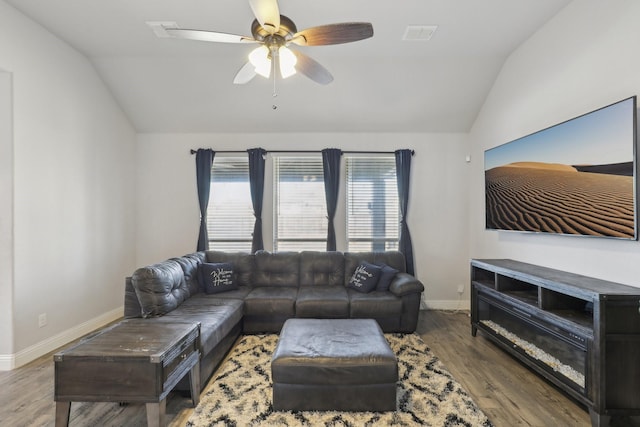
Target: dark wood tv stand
{"type": "Point", "coordinates": [580, 333]}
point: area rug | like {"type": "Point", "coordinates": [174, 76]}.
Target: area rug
{"type": "Point", "coordinates": [427, 394]}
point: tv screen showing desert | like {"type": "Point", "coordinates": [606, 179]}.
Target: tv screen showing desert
{"type": "Point", "coordinates": [574, 178]}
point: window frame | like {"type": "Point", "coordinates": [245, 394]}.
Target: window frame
{"type": "Point", "coordinates": [390, 239]}
{"type": "Point", "coordinates": [242, 243]}
{"type": "Point", "coordinates": [317, 240]}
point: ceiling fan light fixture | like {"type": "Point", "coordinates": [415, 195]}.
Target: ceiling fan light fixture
{"type": "Point", "coordinates": [288, 62]}
{"type": "Point", "coordinates": [259, 58]}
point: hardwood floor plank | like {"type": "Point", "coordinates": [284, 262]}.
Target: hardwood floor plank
{"type": "Point", "coordinates": [508, 392]}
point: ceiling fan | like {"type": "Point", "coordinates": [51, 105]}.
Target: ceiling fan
{"type": "Point", "coordinates": [274, 33]}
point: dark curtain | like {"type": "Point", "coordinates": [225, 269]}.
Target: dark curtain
{"type": "Point", "coordinates": [256, 182]}
{"type": "Point", "coordinates": [331, 168]}
{"type": "Point", "coordinates": [204, 160]}
{"type": "Point", "coordinates": [403, 171]}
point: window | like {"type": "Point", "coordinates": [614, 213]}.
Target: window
{"type": "Point", "coordinates": [230, 217]}
{"type": "Point", "coordinates": [373, 212]}
{"type": "Point", "coordinates": [300, 218]}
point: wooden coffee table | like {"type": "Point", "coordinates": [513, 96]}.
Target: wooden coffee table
{"type": "Point", "coordinates": [135, 360]}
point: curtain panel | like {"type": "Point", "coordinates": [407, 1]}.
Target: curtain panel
{"type": "Point", "coordinates": [256, 182]}
{"type": "Point", "coordinates": [403, 171]}
{"type": "Point", "coordinates": [204, 161]}
{"type": "Point", "coordinates": [331, 168]}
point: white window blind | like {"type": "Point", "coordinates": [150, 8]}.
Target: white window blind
{"type": "Point", "coordinates": [230, 217]}
{"type": "Point", "coordinates": [300, 206]}
{"type": "Point", "coordinates": [373, 212]}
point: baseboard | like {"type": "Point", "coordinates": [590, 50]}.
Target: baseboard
{"type": "Point", "coordinates": [448, 305]}
{"type": "Point", "coordinates": [12, 361]}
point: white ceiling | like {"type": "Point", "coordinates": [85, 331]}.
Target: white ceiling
{"type": "Point", "coordinates": [382, 84]}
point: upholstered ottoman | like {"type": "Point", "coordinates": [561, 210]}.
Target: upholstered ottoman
{"type": "Point", "coordinates": [333, 364]}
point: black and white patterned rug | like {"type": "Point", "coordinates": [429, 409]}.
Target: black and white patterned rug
{"type": "Point", "coordinates": [427, 393]}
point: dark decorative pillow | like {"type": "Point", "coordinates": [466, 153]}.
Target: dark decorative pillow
{"type": "Point", "coordinates": [216, 278]}
{"type": "Point", "coordinates": [386, 277]}
{"type": "Point", "coordinates": [365, 278]}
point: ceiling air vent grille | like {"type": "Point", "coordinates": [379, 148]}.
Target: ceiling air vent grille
{"type": "Point", "coordinates": [419, 32]}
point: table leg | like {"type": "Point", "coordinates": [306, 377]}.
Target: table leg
{"type": "Point", "coordinates": [156, 413]}
{"type": "Point", "coordinates": [194, 382]}
{"type": "Point", "coordinates": [63, 409]}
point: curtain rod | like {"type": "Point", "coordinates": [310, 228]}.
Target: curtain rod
{"type": "Point", "coordinates": [304, 151]}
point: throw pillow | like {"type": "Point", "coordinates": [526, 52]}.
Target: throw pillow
{"type": "Point", "coordinates": [365, 278]}
{"type": "Point", "coordinates": [216, 277]}
{"type": "Point", "coordinates": [386, 277]}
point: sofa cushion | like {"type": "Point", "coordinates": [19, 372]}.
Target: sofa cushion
{"type": "Point", "coordinates": [271, 301]}
{"type": "Point", "coordinates": [321, 269]}
{"type": "Point", "coordinates": [243, 264]}
{"type": "Point", "coordinates": [217, 277]}
{"type": "Point", "coordinates": [386, 276]}
{"type": "Point", "coordinates": [216, 317]}
{"type": "Point", "coordinates": [374, 304]}
{"type": "Point", "coordinates": [328, 302]}
{"type": "Point", "coordinates": [365, 277]}
{"type": "Point", "coordinates": [160, 288]}
{"type": "Point", "coordinates": [277, 269]}
{"type": "Point", "coordinates": [240, 293]}
{"type": "Point", "coordinates": [189, 264]}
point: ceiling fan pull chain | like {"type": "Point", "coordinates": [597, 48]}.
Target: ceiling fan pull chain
{"type": "Point", "coordinates": [273, 73]}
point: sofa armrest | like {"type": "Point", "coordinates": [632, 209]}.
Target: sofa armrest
{"type": "Point", "coordinates": [404, 284]}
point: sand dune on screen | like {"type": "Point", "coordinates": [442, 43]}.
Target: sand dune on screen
{"type": "Point", "coordinates": [552, 198]}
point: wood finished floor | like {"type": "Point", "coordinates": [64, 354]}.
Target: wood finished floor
{"type": "Point", "coordinates": [507, 392]}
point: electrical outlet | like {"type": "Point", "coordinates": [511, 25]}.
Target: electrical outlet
{"type": "Point", "coordinates": [460, 289]}
{"type": "Point", "coordinates": [42, 320]}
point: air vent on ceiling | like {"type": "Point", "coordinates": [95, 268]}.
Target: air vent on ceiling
{"type": "Point", "coordinates": [160, 27]}
{"type": "Point", "coordinates": [419, 32]}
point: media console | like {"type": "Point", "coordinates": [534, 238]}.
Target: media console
{"type": "Point", "coordinates": [580, 333]}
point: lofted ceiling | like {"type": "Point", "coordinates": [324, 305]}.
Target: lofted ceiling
{"type": "Point", "coordinates": [382, 84]}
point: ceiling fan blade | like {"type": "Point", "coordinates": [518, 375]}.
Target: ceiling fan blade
{"type": "Point", "coordinates": [245, 74]}
{"type": "Point", "coordinates": [267, 13]}
{"type": "Point", "coordinates": [345, 32]}
{"type": "Point", "coordinates": [209, 36]}
{"type": "Point", "coordinates": [312, 69]}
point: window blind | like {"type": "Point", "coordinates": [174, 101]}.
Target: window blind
{"type": "Point", "coordinates": [230, 217]}
{"type": "Point", "coordinates": [300, 205]}
{"type": "Point", "coordinates": [373, 212]}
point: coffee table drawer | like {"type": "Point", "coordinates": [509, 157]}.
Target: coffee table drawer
{"type": "Point", "coordinates": [173, 366]}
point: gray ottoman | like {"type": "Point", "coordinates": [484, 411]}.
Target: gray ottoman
{"type": "Point", "coordinates": [333, 364]}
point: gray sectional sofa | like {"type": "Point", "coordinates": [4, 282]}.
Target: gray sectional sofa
{"type": "Point", "coordinates": [268, 288]}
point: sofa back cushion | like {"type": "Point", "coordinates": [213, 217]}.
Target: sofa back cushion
{"type": "Point", "coordinates": [394, 259]}
{"type": "Point", "coordinates": [321, 268]}
{"type": "Point", "coordinates": [189, 264]}
{"type": "Point", "coordinates": [243, 264]}
{"type": "Point", "coordinates": [160, 287]}
{"type": "Point", "coordinates": [277, 269]}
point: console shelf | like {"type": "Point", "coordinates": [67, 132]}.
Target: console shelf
{"type": "Point", "coordinates": [580, 333]}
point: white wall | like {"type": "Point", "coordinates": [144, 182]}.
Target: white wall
{"type": "Point", "coordinates": [584, 58]}
{"type": "Point", "coordinates": [168, 216]}
{"type": "Point", "coordinates": [6, 216]}
{"type": "Point", "coordinates": [73, 206]}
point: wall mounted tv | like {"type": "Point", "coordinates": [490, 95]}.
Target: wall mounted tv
{"type": "Point", "coordinates": [575, 178]}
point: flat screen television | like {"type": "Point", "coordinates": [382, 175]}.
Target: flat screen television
{"type": "Point", "coordinates": [575, 178]}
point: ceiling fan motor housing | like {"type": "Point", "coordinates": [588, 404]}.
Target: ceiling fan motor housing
{"type": "Point", "coordinates": [286, 30]}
